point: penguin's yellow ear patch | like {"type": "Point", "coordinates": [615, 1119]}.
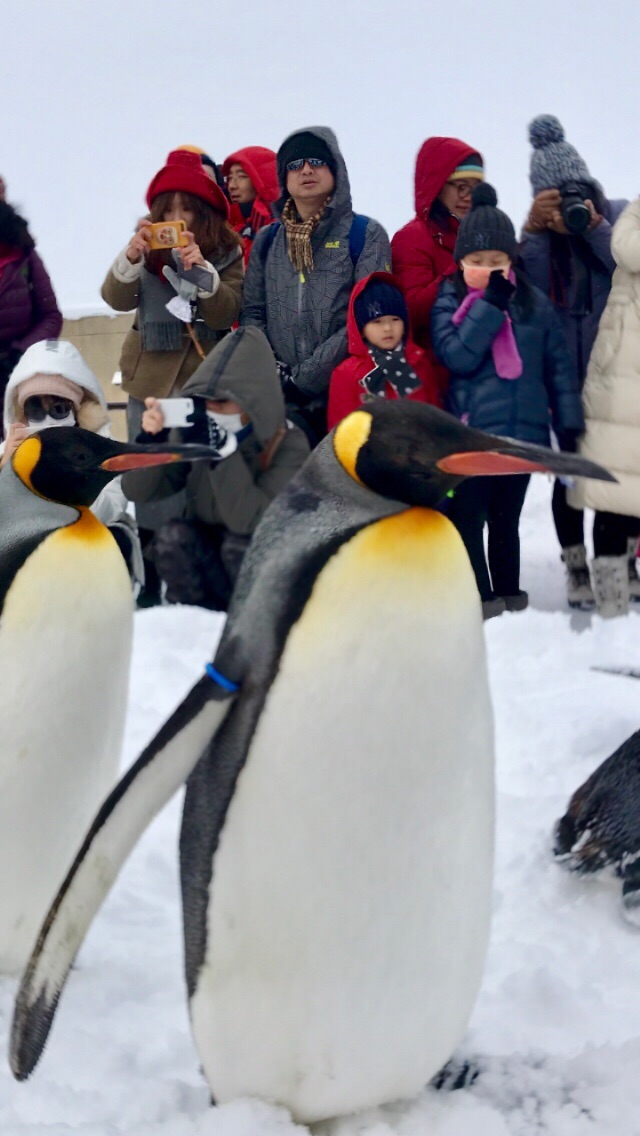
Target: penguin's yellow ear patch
{"type": "Point", "coordinates": [349, 438]}
{"type": "Point", "coordinates": [25, 460]}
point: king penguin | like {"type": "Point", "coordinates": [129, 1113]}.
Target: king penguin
{"type": "Point", "coordinates": [337, 836]}
{"type": "Point", "coordinates": [65, 643]}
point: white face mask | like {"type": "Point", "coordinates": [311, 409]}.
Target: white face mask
{"type": "Point", "coordinates": [232, 423]}
{"type": "Point", "coordinates": [47, 421]}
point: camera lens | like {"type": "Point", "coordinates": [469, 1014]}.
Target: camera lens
{"type": "Point", "coordinates": [575, 213]}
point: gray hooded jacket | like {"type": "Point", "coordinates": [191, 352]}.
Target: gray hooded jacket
{"type": "Point", "coordinates": [234, 492]}
{"type": "Point", "coordinates": [304, 316]}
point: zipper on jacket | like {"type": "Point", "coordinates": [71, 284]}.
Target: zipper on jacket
{"type": "Point", "coordinates": [301, 283]}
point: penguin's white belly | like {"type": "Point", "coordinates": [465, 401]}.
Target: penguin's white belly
{"type": "Point", "coordinates": [65, 646]}
{"type": "Point", "coordinates": [351, 890]}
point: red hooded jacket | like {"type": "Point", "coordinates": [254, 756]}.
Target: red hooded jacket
{"type": "Point", "coordinates": [422, 251]}
{"type": "Point", "coordinates": [260, 164]}
{"type": "Point", "coordinates": [346, 392]}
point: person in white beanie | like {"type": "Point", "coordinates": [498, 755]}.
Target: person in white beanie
{"type": "Point", "coordinates": [51, 386]}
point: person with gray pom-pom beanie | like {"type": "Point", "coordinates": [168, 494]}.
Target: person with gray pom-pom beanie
{"type": "Point", "coordinates": [568, 256]}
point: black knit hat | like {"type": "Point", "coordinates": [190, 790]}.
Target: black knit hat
{"type": "Point", "coordinates": [485, 226]}
{"type": "Point", "coordinates": [378, 299]}
{"type": "Point", "coordinates": [306, 144]}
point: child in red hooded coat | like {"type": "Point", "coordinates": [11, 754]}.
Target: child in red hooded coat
{"type": "Point", "coordinates": [383, 360]}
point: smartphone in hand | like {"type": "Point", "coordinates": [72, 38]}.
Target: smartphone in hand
{"type": "Point", "coordinates": [176, 411]}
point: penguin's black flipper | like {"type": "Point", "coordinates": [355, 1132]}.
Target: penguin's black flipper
{"type": "Point", "coordinates": [157, 774]}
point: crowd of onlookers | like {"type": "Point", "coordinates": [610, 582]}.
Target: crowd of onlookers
{"type": "Point", "coordinates": [259, 294]}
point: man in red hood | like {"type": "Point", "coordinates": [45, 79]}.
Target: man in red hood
{"type": "Point", "coordinates": [447, 172]}
{"type": "Point", "coordinates": [252, 184]}
{"type": "Point", "coordinates": [383, 360]}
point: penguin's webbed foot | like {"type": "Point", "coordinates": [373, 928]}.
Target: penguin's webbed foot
{"type": "Point", "coordinates": [456, 1075]}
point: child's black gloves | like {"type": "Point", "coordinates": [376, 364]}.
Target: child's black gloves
{"type": "Point", "coordinates": [499, 290]}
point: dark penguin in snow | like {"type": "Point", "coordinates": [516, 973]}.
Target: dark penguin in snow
{"type": "Point", "coordinates": [337, 837]}
{"type": "Point", "coordinates": [601, 827]}
{"type": "Point", "coordinates": [65, 643]}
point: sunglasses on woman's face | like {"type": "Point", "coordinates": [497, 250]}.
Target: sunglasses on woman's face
{"type": "Point", "coordinates": [298, 163]}
{"type": "Point", "coordinates": [38, 407]}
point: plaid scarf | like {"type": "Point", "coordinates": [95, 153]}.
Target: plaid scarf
{"type": "Point", "coordinates": [299, 235]}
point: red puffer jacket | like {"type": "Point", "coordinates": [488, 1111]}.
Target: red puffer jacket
{"type": "Point", "coordinates": [422, 251]}
{"type": "Point", "coordinates": [260, 164]}
{"type": "Point", "coordinates": [346, 390]}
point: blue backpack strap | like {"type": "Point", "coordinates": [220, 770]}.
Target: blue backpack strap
{"type": "Point", "coordinates": [265, 247]}
{"type": "Point", "coordinates": [357, 235]}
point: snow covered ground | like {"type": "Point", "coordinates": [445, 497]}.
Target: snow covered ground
{"type": "Point", "coordinates": [556, 1029]}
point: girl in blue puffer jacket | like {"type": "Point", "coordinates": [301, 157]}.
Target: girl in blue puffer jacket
{"type": "Point", "coordinates": [510, 373]}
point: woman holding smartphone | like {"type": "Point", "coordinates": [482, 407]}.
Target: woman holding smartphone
{"type": "Point", "coordinates": [201, 281]}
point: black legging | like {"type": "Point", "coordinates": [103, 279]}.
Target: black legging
{"type": "Point", "coordinates": [611, 531]}
{"type": "Point", "coordinates": [569, 522]}
{"type": "Point", "coordinates": [496, 501]}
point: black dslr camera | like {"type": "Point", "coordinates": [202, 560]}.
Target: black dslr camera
{"type": "Point", "coordinates": [575, 214]}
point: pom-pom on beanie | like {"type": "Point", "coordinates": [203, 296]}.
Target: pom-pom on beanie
{"type": "Point", "coordinates": [183, 173]}
{"type": "Point", "coordinates": [485, 226]}
{"type": "Point", "coordinates": [554, 162]}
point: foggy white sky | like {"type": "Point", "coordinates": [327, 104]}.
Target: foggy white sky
{"type": "Point", "coordinates": [94, 96]}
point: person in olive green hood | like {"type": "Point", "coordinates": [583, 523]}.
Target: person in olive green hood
{"type": "Point", "coordinates": [237, 395]}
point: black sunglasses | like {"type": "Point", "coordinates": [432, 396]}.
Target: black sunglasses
{"type": "Point", "coordinates": [298, 163]}
{"type": "Point", "coordinates": [58, 408]}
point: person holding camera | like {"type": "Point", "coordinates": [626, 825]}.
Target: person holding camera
{"type": "Point", "coordinates": [302, 270]}
{"type": "Point", "coordinates": [566, 252]}
{"type": "Point", "coordinates": [28, 308]}
{"type": "Point", "coordinates": [185, 292]}
{"type": "Point", "coordinates": [233, 403]}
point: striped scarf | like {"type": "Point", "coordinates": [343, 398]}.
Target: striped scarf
{"type": "Point", "coordinates": [299, 235]}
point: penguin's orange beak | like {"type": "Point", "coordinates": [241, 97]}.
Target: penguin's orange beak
{"type": "Point", "coordinates": [132, 455]}
{"type": "Point", "coordinates": [488, 464]}
{"type": "Point", "coordinates": [506, 456]}
{"type": "Point", "coordinates": [122, 463]}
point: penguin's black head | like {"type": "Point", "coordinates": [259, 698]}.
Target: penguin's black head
{"type": "Point", "coordinates": [72, 466]}
{"type": "Point", "coordinates": [415, 453]}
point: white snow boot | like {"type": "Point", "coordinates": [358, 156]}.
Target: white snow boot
{"type": "Point", "coordinates": [634, 578]}
{"type": "Point", "coordinates": [579, 591]}
{"type": "Point", "coordinates": [610, 576]}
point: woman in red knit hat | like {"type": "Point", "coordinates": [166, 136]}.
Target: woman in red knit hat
{"type": "Point", "coordinates": [185, 299]}
{"type": "Point", "coordinates": [252, 184]}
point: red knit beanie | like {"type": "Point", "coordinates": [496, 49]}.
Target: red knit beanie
{"type": "Point", "coordinates": [183, 173]}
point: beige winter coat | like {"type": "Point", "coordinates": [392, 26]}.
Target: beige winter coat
{"type": "Point", "coordinates": [158, 373]}
{"type": "Point", "coordinates": [611, 396]}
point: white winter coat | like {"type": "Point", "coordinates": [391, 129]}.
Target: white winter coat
{"type": "Point", "coordinates": [111, 506]}
{"type": "Point", "coordinates": [611, 395]}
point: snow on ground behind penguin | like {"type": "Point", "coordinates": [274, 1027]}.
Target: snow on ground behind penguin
{"type": "Point", "coordinates": [555, 1029]}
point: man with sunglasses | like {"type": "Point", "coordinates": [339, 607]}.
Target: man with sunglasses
{"type": "Point", "coordinates": [447, 172]}
{"type": "Point", "coordinates": [301, 271]}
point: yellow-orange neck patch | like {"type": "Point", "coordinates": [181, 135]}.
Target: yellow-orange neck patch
{"type": "Point", "coordinates": [350, 436]}
{"type": "Point", "coordinates": [25, 460]}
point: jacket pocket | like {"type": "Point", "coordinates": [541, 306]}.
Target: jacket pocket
{"type": "Point", "coordinates": [130, 356]}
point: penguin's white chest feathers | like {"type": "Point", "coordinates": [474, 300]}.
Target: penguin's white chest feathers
{"type": "Point", "coordinates": [350, 898]}
{"type": "Point", "coordinates": [65, 645]}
